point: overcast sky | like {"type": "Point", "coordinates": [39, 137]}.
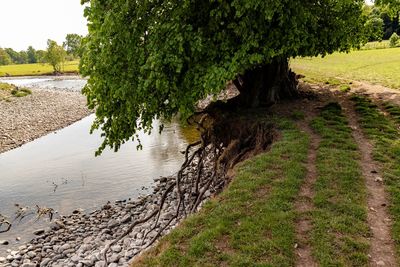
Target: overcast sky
{"type": "Point", "coordinates": [32, 22]}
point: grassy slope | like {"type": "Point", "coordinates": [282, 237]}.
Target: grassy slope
{"type": "Point", "coordinates": [339, 220]}
{"type": "Point", "coordinates": [252, 222]}
{"type": "Point", "coordinates": [36, 69]}
{"type": "Point", "coordinates": [379, 66]}
{"type": "Point", "coordinates": [385, 135]}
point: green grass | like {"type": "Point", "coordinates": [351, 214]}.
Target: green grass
{"type": "Point", "coordinates": [340, 229]}
{"type": "Point", "coordinates": [21, 92]}
{"type": "Point", "coordinates": [36, 69]}
{"type": "Point", "coordinates": [252, 222]}
{"type": "Point", "coordinates": [379, 66]}
{"type": "Point", "coordinates": [6, 86]}
{"type": "Point", "coordinates": [344, 88]}
{"type": "Point", "coordinates": [384, 133]}
{"type": "Point", "coordinates": [393, 110]}
{"type": "Point", "coordinates": [9, 90]}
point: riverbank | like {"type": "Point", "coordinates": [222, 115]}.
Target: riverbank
{"type": "Point", "coordinates": [325, 194]}
{"type": "Point", "coordinates": [24, 119]}
{"type": "Point", "coordinates": [37, 69]}
{"type": "Point", "coordinates": [314, 198]}
{"type": "Point", "coordinates": [80, 239]}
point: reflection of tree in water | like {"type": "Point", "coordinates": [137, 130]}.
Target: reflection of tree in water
{"type": "Point", "coordinates": [172, 140]}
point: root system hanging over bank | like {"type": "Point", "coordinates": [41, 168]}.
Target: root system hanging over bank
{"type": "Point", "coordinates": [225, 140]}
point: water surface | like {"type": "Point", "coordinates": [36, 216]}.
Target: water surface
{"type": "Point", "coordinates": [60, 171]}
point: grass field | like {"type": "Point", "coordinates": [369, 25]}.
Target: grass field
{"type": "Point", "coordinates": [252, 223]}
{"type": "Point", "coordinates": [378, 66]}
{"type": "Point", "coordinates": [340, 218]}
{"type": "Point", "coordinates": [36, 69]}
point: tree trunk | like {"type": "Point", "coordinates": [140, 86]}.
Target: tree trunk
{"type": "Point", "coordinates": [264, 85]}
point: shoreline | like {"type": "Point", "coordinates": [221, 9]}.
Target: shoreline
{"type": "Point", "coordinates": [68, 73]}
{"type": "Point", "coordinates": [44, 111]}
{"type": "Point", "coordinates": [79, 239]}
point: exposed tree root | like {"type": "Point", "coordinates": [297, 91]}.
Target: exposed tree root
{"type": "Point", "coordinates": [226, 139]}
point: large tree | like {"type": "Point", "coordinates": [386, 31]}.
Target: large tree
{"type": "Point", "coordinates": [72, 44]}
{"type": "Point", "coordinates": [32, 56]}
{"type": "Point", "coordinates": [5, 59]}
{"type": "Point", "coordinates": [390, 8]}
{"type": "Point", "coordinates": [151, 58]}
{"type": "Point", "coordinates": [55, 55]}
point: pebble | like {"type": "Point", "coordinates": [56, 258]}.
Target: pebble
{"type": "Point", "coordinates": [78, 240]}
{"type": "Point", "coordinates": [31, 254]}
{"type": "Point", "coordinates": [116, 248]}
{"type": "Point", "coordinates": [39, 232]}
{"type": "Point", "coordinates": [44, 262]}
{"type": "Point", "coordinates": [4, 242]}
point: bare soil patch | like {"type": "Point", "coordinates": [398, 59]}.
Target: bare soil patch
{"type": "Point", "coordinates": [382, 252]}
{"type": "Point", "coordinates": [377, 91]}
{"type": "Point", "coordinates": [304, 203]}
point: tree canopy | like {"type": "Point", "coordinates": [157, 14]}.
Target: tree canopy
{"type": "Point", "coordinates": [72, 44]}
{"type": "Point", "coordinates": [392, 5]}
{"type": "Point", "coordinates": [150, 59]}
{"type": "Point", "coordinates": [5, 59]}
{"type": "Point", "coordinates": [55, 55]}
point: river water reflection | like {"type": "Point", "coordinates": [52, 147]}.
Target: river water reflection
{"type": "Point", "coordinates": [60, 171]}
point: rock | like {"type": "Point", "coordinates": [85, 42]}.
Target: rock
{"type": "Point", "coordinates": [4, 242]}
{"type": "Point", "coordinates": [126, 219]}
{"type": "Point", "coordinates": [87, 262]}
{"type": "Point", "coordinates": [113, 264]}
{"type": "Point", "coordinates": [56, 225]}
{"type": "Point", "coordinates": [100, 264]}
{"type": "Point", "coordinates": [28, 265]}
{"type": "Point", "coordinates": [39, 232]}
{"type": "Point", "coordinates": [112, 223]}
{"type": "Point", "coordinates": [13, 253]}
{"type": "Point", "coordinates": [85, 247]}
{"type": "Point", "coordinates": [75, 258]}
{"type": "Point", "coordinates": [380, 263]}
{"type": "Point", "coordinates": [31, 254]}
{"type": "Point", "coordinates": [65, 247]}
{"type": "Point", "coordinates": [77, 211]}
{"type": "Point", "coordinates": [44, 262]}
{"type": "Point", "coordinates": [2, 259]}
{"type": "Point", "coordinates": [114, 258]}
{"type": "Point", "coordinates": [116, 248]}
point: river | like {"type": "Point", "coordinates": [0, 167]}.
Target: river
{"type": "Point", "coordinates": [60, 170]}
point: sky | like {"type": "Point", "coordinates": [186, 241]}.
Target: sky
{"type": "Point", "coordinates": [32, 22]}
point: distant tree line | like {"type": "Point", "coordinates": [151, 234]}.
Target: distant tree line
{"type": "Point", "coordinates": [69, 50]}
{"type": "Point", "coordinates": [383, 19]}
